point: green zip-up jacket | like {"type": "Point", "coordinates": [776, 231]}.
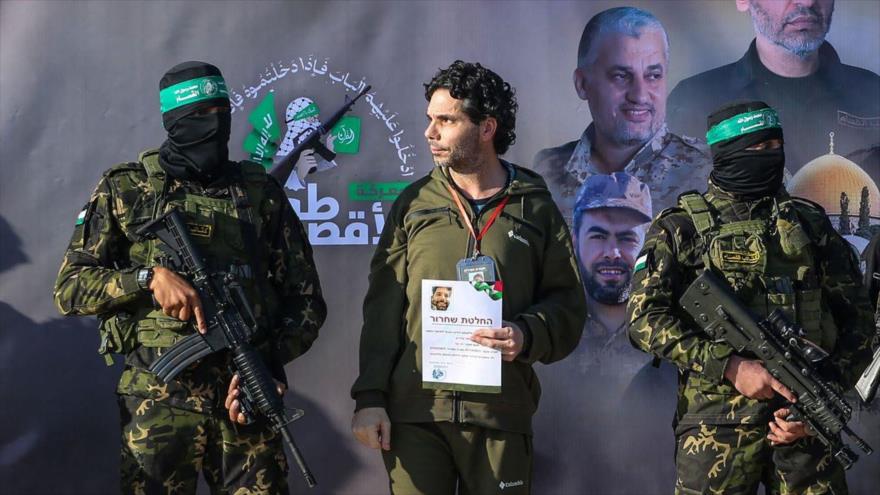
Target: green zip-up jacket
{"type": "Point", "coordinates": [424, 237]}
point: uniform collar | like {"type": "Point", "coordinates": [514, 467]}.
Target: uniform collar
{"type": "Point", "coordinates": [519, 180]}
{"type": "Point", "coordinates": [580, 166]}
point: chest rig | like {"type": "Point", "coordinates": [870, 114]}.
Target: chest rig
{"type": "Point", "coordinates": [226, 230]}
{"type": "Point", "coordinates": [770, 262]}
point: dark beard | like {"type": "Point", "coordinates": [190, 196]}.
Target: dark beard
{"type": "Point", "coordinates": [463, 157]}
{"type": "Point", "coordinates": [607, 294]}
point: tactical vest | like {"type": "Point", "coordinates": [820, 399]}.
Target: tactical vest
{"type": "Point", "coordinates": [225, 231]}
{"type": "Point", "coordinates": [770, 263]}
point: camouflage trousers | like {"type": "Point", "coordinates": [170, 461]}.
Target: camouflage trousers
{"type": "Point", "coordinates": [735, 459]}
{"type": "Point", "coordinates": [165, 448]}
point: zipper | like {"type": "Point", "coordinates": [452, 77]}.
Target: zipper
{"type": "Point", "coordinates": [475, 220]}
{"type": "Point", "coordinates": [469, 252]}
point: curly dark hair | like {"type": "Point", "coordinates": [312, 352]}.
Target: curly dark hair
{"type": "Point", "coordinates": [483, 94]}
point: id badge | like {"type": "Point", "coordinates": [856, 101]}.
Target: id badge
{"type": "Point", "coordinates": [478, 269]}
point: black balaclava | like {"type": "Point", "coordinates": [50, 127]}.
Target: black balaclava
{"type": "Point", "coordinates": [733, 128]}
{"type": "Point", "coordinates": [196, 148]}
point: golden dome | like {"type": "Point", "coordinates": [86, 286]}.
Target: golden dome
{"type": "Point", "coordinates": [824, 178]}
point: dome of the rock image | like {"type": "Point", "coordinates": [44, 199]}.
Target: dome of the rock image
{"type": "Point", "coordinates": [825, 177]}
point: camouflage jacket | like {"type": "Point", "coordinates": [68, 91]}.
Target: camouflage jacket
{"type": "Point", "coordinates": [659, 326]}
{"type": "Point", "coordinates": [98, 277]}
{"type": "Point", "coordinates": [668, 164]}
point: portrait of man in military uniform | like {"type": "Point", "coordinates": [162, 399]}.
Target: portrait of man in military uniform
{"type": "Point", "coordinates": [612, 213]}
{"type": "Point", "coordinates": [597, 411]}
{"type": "Point", "coordinates": [622, 68]}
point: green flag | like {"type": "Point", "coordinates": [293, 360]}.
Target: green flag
{"type": "Point", "coordinates": [262, 142]}
{"type": "Point", "coordinates": [347, 135]}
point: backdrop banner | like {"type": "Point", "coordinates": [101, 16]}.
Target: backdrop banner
{"type": "Point", "coordinates": [79, 93]}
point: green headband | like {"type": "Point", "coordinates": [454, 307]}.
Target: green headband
{"type": "Point", "coordinates": [741, 124]}
{"type": "Point", "coordinates": [192, 91]}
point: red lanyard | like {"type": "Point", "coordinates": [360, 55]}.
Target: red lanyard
{"type": "Point", "coordinates": [467, 220]}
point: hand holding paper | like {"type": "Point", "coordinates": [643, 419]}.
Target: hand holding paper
{"type": "Point", "coordinates": [508, 339]}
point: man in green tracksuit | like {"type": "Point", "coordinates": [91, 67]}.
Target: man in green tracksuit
{"type": "Point", "coordinates": [241, 221]}
{"type": "Point", "coordinates": [434, 440]}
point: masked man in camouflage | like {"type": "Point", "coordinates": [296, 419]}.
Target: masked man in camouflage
{"type": "Point", "coordinates": [241, 220]}
{"type": "Point", "coordinates": [777, 252]}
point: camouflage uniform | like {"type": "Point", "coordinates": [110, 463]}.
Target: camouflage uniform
{"type": "Point", "coordinates": [668, 164]}
{"type": "Point", "coordinates": [172, 431]}
{"type": "Point", "coordinates": [777, 252]}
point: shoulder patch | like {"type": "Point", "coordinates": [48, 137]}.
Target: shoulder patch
{"type": "Point", "coordinates": [641, 263]}
{"type": "Point", "coordinates": [81, 218]}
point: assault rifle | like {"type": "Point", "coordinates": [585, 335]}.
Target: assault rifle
{"type": "Point", "coordinates": [231, 324]}
{"type": "Point", "coordinates": [282, 170]}
{"type": "Point", "coordinates": [786, 354]}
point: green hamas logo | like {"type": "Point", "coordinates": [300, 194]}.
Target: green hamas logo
{"type": "Point", "coordinates": [209, 87]}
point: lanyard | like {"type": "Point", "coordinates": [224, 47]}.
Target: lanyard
{"type": "Point", "coordinates": [467, 220]}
